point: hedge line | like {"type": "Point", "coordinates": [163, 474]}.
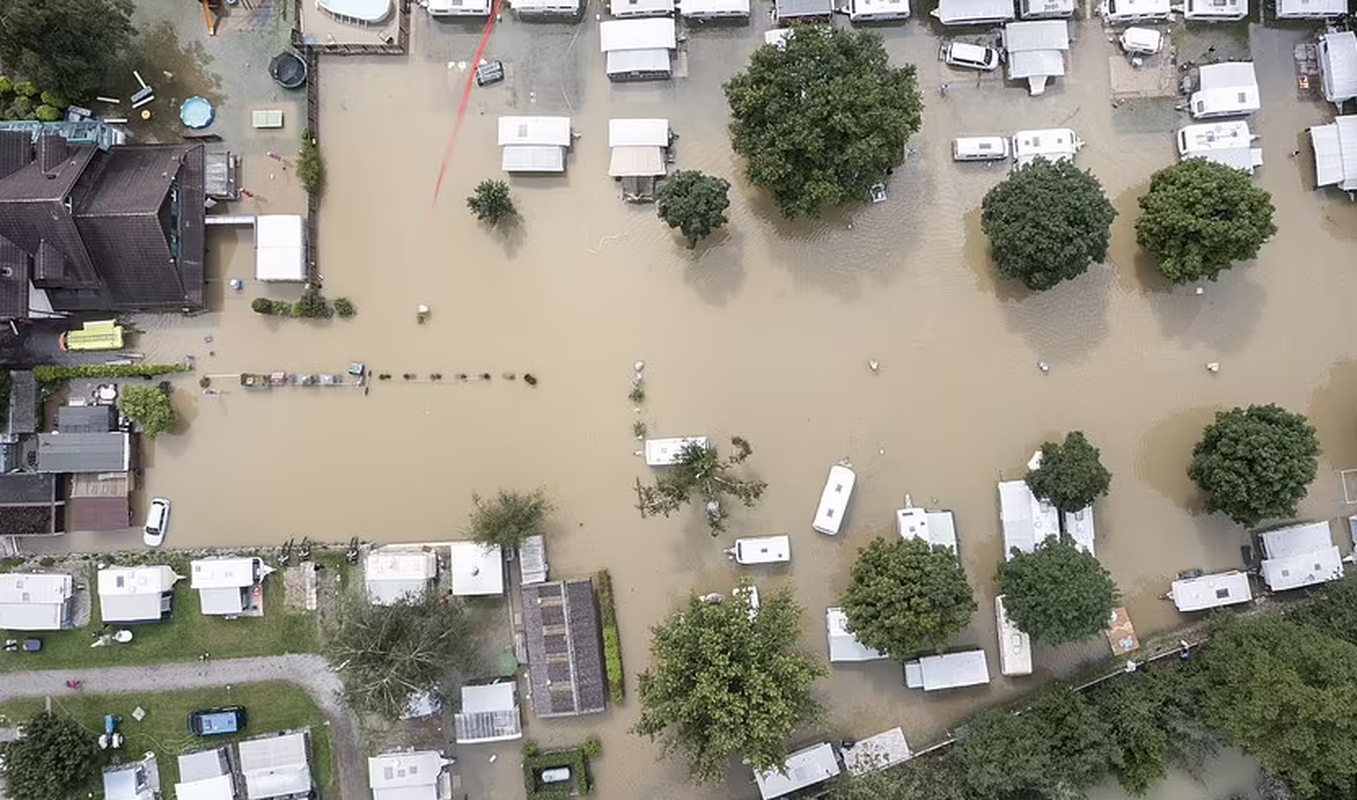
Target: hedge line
{"type": "Point", "coordinates": [50, 374]}
{"type": "Point", "coordinates": [574, 758]}
{"type": "Point", "coordinates": [612, 641]}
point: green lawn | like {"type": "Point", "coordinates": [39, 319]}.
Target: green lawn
{"type": "Point", "coordinates": [164, 731]}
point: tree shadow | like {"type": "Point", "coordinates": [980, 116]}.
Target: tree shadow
{"type": "Point", "coordinates": [512, 233]}
{"type": "Point", "coordinates": [715, 268]}
{"type": "Point", "coordinates": [1330, 411]}
{"type": "Point", "coordinates": [1164, 453]}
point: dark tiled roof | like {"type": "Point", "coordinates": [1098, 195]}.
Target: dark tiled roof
{"type": "Point", "coordinates": [16, 150]}
{"type": "Point", "coordinates": [25, 521]}
{"type": "Point", "coordinates": [33, 210]}
{"type": "Point", "coordinates": [83, 452]}
{"type": "Point", "coordinates": [97, 514]}
{"type": "Point", "coordinates": [27, 487]}
{"type": "Point", "coordinates": [565, 649]}
{"type": "Point", "coordinates": [86, 419]}
{"type": "Point", "coordinates": [14, 273]}
{"type": "Point", "coordinates": [23, 402]}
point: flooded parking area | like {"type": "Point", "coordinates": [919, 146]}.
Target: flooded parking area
{"type": "Point", "coordinates": [763, 332]}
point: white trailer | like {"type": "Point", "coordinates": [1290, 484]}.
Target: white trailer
{"type": "Point", "coordinates": [1052, 144]}
{"type": "Point", "coordinates": [802, 769]}
{"type": "Point", "coordinates": [1229, 89]}
{"type": "Point", "coordinates": [665, 452]}
{"type": "Point", "coordinates": [1015, 647]}
{"type": "Point", "coordinates": [934, 527]}
{"type": "Point", "coordinates": [843, 643]}
{"type": "Point", "coordinates": [1205, 592]}
{"type": "Point", "coordinates": [761, 550]}
{"type": "Point", "coordinates": [834, 500]}
{"type": "Point", "coordinates": [947, 671]}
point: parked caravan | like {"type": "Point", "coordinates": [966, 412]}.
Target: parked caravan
{"type": "Point", "coordinates": [803, 769]}
{"type": "Point", "coordinates": [1215, 10]}
{"type": "Point", "coordinates": [1125, 12]}
{"type": "Point", "coordinates": [1045, 9]}
{"type": "Point", "coordinates": [714, 9]}
{"type": "Point", "coordinates": [938, 528]}
{"type": "Point", "coordinates": [623, 9]}
{"type": "Point", "coordinates": [665, 452]}
{"type": "Point", "coordinates": [761, 550]}
{"type": "Point", "coordinates": [1015, 647]}
{"type": "Point", "coordinates": [1229, 89]}
{"type": "Point", "coordinates": [843, 644]}
{"type": "Point", "coordinates": [973, 12]}
{"type": "Point", "coordinates": [948, 671]}
{"type": "Point", "coordinates": [1052, 144]}
{"type": "Point", "coordinates": [1311, 9]}
{"type": "Point", "coordinates": [980, 148]}
{"type": "Point", "coordinates": [1227, 143]}
{"type": "Point", "coordinates": [877, 752]}
{"type": "Point", "coordinates": [1300, 555]}
{"type": "Point", "coordinates": [1205, 592]}
{"type": "Point", "coordinates": [834, 500]}
{"type": "Point", "coordinates": [877, 10]}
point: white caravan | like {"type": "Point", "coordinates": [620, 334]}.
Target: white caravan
{"type": "Point", "coordinates": [948, 671]}
{"type": "Point", "coordinates": [1052, 144]}
{"type": "Point", "coordinates": [761, 550]}
{"type": "Point", "coordinates": [834, 500]}
{"type": "Point", "coordinates": [1205, 592]}
{"type": "Point", "coordinates": [1015, 647]}
{"type": "Point", "coordinates": [665, 452]}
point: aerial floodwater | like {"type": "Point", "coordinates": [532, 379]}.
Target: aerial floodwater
{"type": "Point", "coordinates": [765, 331]}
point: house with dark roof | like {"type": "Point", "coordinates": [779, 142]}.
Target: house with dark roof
{"type": "Point", "coordinates": [30, 504]}
{"type": "Point", "coordinates": [84, 452]}
{"type": "Point", "coordinates": [565, 648]}
{"type": "Point", "coordinates": [89, 228]}
{"type": "Point", "coordinates": [86, 419]}
{"type": "Point", "coordinates": [23, 404]}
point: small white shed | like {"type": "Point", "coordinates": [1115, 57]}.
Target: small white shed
{"type": "Point", "coordinates": [1337, 56]}
{"type": "Point", "coordinates": [1311, 9]}
{"type": "Point", "coordinates": [947, 671]}
{"type": "Point", "coordinates": [1299, 555]}
{"type": "Point", "coordinates": [477, 569]}
{"type": "Point", "coordinates": [280, 248]}
{"type": "Point", "coordinates": [843, 644]}
{"type": "Point", "coordinates": [637, 49]}
{"type": "Point", "coordinates": [1215, 10]}
{"type": "Point", "coordinates": [879, 751]}
{"type": "Point", "coordinates": [533, 144]}
{"type": "Point", "coordinates": [973, 12]}
{"type": "Point", "coordinates": [1229, 89]}
{"type": "Point", "coordinates": [1036, 51]}
{"type": "Point", "coordinates": [803, 769]}
{"type": "Point", "coordinates": [1335, 146]}
{"type": "Point", "coordinates": [1228, 143]}
{"type": "Point", "coordinates": [1211, 591]}
{"type": "Point", "coordinates": [714, 9]}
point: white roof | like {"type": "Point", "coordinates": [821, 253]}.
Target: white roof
{"type": "Point", "coordinates": [947, 671]}
{"type": "Point", "coordinates": [1053, 8]}
{"type": "Point", "coordinates": [638, 132]}
{"type": "Point", "coordinates": [1211, 591]}
{"type": "Point", "coordinates": [1338, 65]}
{"type": "Point", "coordinates": [391, 574]}
{"type": "Point", "coordinates": [1015, 647]}
{"type": "Point", "coordinates": [1122, 9]}
{"type": "Point", "coordinates": [631, 8]}
{"type": "Point", "coordinates": [1142, 38]}
{"type": "Point", "coordinates": [1335, 148]}
{"type": "Point", "coordinates": [664, 452]}
{"type": "Point", "coordinates": [532, 158]}
{"type": "Point", "coordinates": [1054, 144]}
{"type": "Point", "coordinates": [205, 764]}
{"type": "Point", "coordinates": [1026, 520]}
{"type": "Point", "coordinates": [628, 62]}
{"type": "Point", "coordinates": [834, 499]}
{"type": "Point", "coordinates": [218, 788]}
{"type": "Point", "coordinates": [1314, 9]}
{"type": "Point", "coordinates": [405, 776]}
{"type": "Point", "coordinates": [960, 12]}
{"type": "Point", "coordinates": [279, 248]}
{"type": "Point", "coordinates": [228, 600]}
{"type": "Point", "coordinates": [763, 549]}
{"type": "Point", "coordinates": [566, 6]}
{"type": "Point", "coordinates": [1079, 525]}
{"type": "Point", "coordinates": [934, 527]}
{"type": "Point", "coordinates": [156, 580]}
{"type": "Point", "coordinates": [274, 766]}
{"type": "Point", "coordinates": [1046, 34]}
{"type": "Point", "coordinates": [885, 749]}
{"type": "Point", "coordinates": [1244, 159]}
{"type": "Point", "coordinates": [222, 573]}
{"type": "Point", "coordinates": [131, 781]}
{"type": "Point", "coordinates": [489, 697]}
{"type": "Point", "coordinates": [455, 7]}
{"type": "Point", "coordinates": [532, 560]}
{"type": "Point", "coordinates": [697, 8]}
{"type": "Point", "coordinates": [1294, 540]}
{"type": "Point", "coordinates": [1203, 138]}
{"type": "Point", "coordinates": [637, 34]}
{"type": "Point", "coordinates": [1035, 64]}
{"type": "Point", "coordinates": [1306, 569]}
{"type": "Point", "coordinates": [1216, 9]}
{"type": "Point", "coordinates": [805, 767]}
{"type": "Point", "coordinates": [843, 645]}
{"type": "Point", "coordinates": [534, 131]}
{"type": "Point", "coordinates": [860, 9]}
{"type": "Point", "coordinates": [1228, 87]}
{"type": "Point", "coordinates": [35, 588]}
{"type": "Point", "coordinates": [476, 569]}
{"type": "Point", "coordinates": [636, 161]}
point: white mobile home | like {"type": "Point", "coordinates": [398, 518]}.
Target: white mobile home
{"type": "Point", "coordinates": [229, 587]}
{"type": "Point", "coordinates": [948, 671]}
{"type": "Point", "coordinates": [36, 601]}
{"type": "Point", "coordinates": [1335, 146]}
{"type": "Point", "coordinates": [934, 527]}
{"type": "Point", "coordinates": [1311, 9]}
{"type": "Point", "coordinates": [803, 769]}
{"type": "Point", "coordinates": [786, 12]}
{"type": "Point", "coordinates": [843, 644]}
{"type": "Point", "coordinates": [1123, 12]}
{"type": "Point", "coordinates": [664, 452]}
{"type": "Point", "coordinates": [417, 775]}
{"type": "Point", "coordinates": [1026, 520]}
{"type": "Point", "coordinates": [1211, 591]}
{"type": "Point", "coordinates": [1298, 556]}
{"type": "Point", "coordinates": [1215, 10]}
{"type": "Point", "coordinates": [530, 9]}
{"type": "Point", "coordinates": [1229, 89]}
{"type": "Point", "coordinates": [477, 569]}
{"type": "Point", "coordinates": [459, 8]}
{"type": "Point", "coordinates": [136, 594]}
{"type": "Point", "coordinates": [637, 49]}
{"type": "Point", "coordinates": [879, 751]}
{"type": "Point", "coordinates": [1079, 527]}
{"type": "Point", "coordinates": [1337, 56]}
{"type": "Point", "coordinates": [761, 550]}
{"type": "Point", "coordinates": [877, 10]}
{"type": "Point", "coordinates": [640, 8]}
{"type": "Point", "coordinates": [1045, 9]}
{"type": "Point", "coordinates": [1015, 647]}
{"type": "Point", "coordinates": [1052, 144]}
{"type": "Point", "coordinates": [395, 572]}
{"type": "Point", "coordinates": [533, 144]}
{"type": "Point", "coordinates": [973, 12]}
{"type": "Point", "coordinates": [1228, 143]}
{"type": "Point", "coordinates": [834, 500]}
{"type": "Point", "coordinates": [714, 9]}
{"type": "Point", "coordinates": [1036, 51]}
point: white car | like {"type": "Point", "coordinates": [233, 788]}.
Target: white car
{"type": "Point", "coordinates": [971, 56]}
{"type": "Point", "coordinates": [157, 523]}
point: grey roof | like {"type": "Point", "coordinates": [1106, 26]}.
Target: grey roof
{"type": "Point", "coordinates": [223, 600]}
{"type": "Point", "coordinates": [565, 648]}
{"type": "Point", "coordinates": [275, 766]}
{"type": "Point", "coordinates": [83, 452]}
{"type": "Point", "coordinates": [23, 396]}
{"type": "Point", "coordinates": [204, 764]}
{"type": "Point", "coordinates": [135, 607]}
{"type": "Point", "coordinates": [14, 275]}
{"type": "Point", "coordinates": [791, 9]}
{"type": "Point", "coordinates": [86, 419]}
{"type": "Point", "coordinates": [27, 487]}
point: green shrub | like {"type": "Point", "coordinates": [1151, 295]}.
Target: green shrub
{"type": "Point", "coordinates": [6, 86]}
{"type": "Point", "coordinates": [21, 107]}
{"type": "Point", "coordinates": [46, 113]}
{"type": "Point", "coordinates": [261, 305]}
{"type": "Point", "coordinates": [282, 308]}
{"type": "Point", "coordinates": [313, 305]}
{"type": "Point", "coordinates": [530, 748]}
{"type": "Point", "coordinates": [53, 99]}
{"type": "Point", "coordinates": [612, 640]}
{"type": "Point", "coordinates": [592, 747]}
{"type": "Point", "coordinates": [50, 374]}
{"type": "Point", "coordinates": [310, 168]}
{"type": "Point", "coordinates": [344, 307]}
{"type": "Point", "coordinates": [26, 89]}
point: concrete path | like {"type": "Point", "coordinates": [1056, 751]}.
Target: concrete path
{"type": "Point", "coordinates": [309, 672]}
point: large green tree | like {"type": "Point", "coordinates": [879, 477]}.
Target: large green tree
{"type": "Point", "coordinates": [1057, 593]}
{"type": "Point", "coordinates": [56, 759]}
{"type": "Point", "coordinates": [1070, 474]}
{"type": "Point", "coordinates": [1199, 217]}
{"type": "Point", "coordinates": [149, 407]}
{"type": "Point", "coordinates": [693, 202]}
{"type": "Point", "coordinates": [928, 778]}
{"type": "Point", "coordinates": [905, 597]}
{"type": "Point", "coordinates": [509, 517]}
{"type": "Point", "coordinates": [698, 470]}
{"type": "Point", "coordinates": [65, 46]}
{"type": "Point", "coordinates": [491, 203]}
{"type": "Point", "coordinates": [727, 681]}
{"type": "Point", "coordinates": [823, 118]}
{"type": "Point", "coordinates": [1047, 223]}
{"type": "Point", "coordinates": [1133, 706]}
{"type": "Point", "coordinates": [1288, 694]}
{"type": "Point", "coordinates": [1334, 611]}
{"type": "Point", "coordinates": [1255, 463]}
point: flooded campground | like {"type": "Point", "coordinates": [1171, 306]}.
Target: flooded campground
{"type": "Point", "coordinates": [764, 332]}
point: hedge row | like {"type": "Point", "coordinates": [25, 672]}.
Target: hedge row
{"type": "Point", "coordinates": [612, 641]}
{"type": "Point", "coordinates": [574, 758]}
{"type": "Point", "coordinates": [50, 374]}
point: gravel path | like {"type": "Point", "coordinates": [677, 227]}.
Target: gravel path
{"type": "Point", "coordinates": [310, 672]}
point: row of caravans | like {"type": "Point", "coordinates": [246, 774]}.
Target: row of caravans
{"type": "Point", "coordinates": [1052, 144]}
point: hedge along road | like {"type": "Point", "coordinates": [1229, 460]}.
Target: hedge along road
{"type": "Point", "coordinates": [310, 672]}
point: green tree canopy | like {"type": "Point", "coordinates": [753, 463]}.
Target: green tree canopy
{"type": "Point", "coordinates": [68, 47]}
{"type": "Point", "coordinates": [823, 118]}
{"type": "Point", "coordinates": [1046, 223]}
{"type": "Point", "coordinates": [693, 202]}
{"type": "Point", "coordinates": [1255, 463]}
{"type": "Point", "coordinates": [149, 407]}
{"type": "Point", "coordinates": [905, 597]}
{"type": "Point", "coordinates": [385, 653]}
{"type": "Point", "coordinates": [727, 681]}
{"type": "Point", "coordinates": [56, 759]}
{"type": "Point", "coordinates": [1288, 694]}
{"type": "Point", "coordinates": [1057, 593]}
{"type": "Point", "coordinates": [699, 470]}
{"type": "Point", "coordinates": [1199, 217]}
{"type": "Point", "coordinates": [917, 779]}
{"type": "Point", "coordinates": [1132, 707]}
{"type": "Point", "coordinates": [1070, 475]}
{"type": "Point", "coordinates": [509, 517]}
{"type": "Point", "coordinates": [1333, 612]}
{"type": "Point", "coordinates": [490, 202]}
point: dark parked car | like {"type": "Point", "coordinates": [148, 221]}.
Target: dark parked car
{"type": "Point", "coordinates": [217, 721]}
{"type": "Point", "coordinates": [27, 645]}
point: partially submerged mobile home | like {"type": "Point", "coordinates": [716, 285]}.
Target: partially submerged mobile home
{"type": "Point", "coordinates": [843, 644]}
{"type": "Point", "coordinates": [1205, 592]}
{"type": "Point", "coordinates": [1228, 143]}
{"type": "Point", "coordinates": [1036, 51]}
{"type": "Point", "coordinates": [761, 550]}
{"type": "Point", "coordinates": [1229, 89]}
{"type": "Point", "coordinates": [803, 769]}
{"type": "Point", "coordinates": [834, 500]}
{"type": "Point", "coordinates": [877, 10]}
{"type": "Point", "coordinates": [714, 9]}
{"type": "Point", "coordinates": [665, 452]}
{"type": "Point", "coordinates": [1335, 146]}
{"type": "Point", "coordinates": [1311, 9]}
{"type": "Point", "coordinates": [1015, 647]}
{"type": "Point", "coordinates": [541, 9]}
{"type": "Point", "coordinates": [1299, 555]}
{"type": "Point", "coordinates": [533, 144]}
{"type": "Point", "coordinates": [1025, 519]}
{"type": "Point", "coordinates": [623, 9]}
{"type": "Point", "coordinates": [1078, 525]}
{"type": "Point", "coordinates": [973, 12]}
{"type": "Point", "coordinates": [947, 671]}
{"type": "Point", "coordinates": [879, 751]}
{"type": "Point", "coordinates": [935, 527]}
{"type": "Point", "coordinates": [637, 49]}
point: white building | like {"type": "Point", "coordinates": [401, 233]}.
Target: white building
{"type": "Point", "coordinates": [877, 10]}
{"type": "Point", "coordinates": [477, 569]}
{"type": "Point", "coordinates": [637, 150]}
{"type": "Point", "coordinates": [879, 751]}
{"type": "Point", "coordinates": [280, 248]}
{"type": "Point", "coordinates": [36, 601]}
{"type": "Point", "coordinates": [637, 49]}
{"type": "Point", "coordinates": [416, 775]}
{"type": "Point", "coordinates": [1121, 12]}
{"type": "Point", "coordinates": [206, 775]}
{"type": "Point", "coordinates": [545, 8]}
{"type": "Point", "coordinates": [1335, 148]}
{"type": "Point", "coordinates": [843, 645]}
{"type": "Point", "coordinates": [1045, 9]}
{"type": "Point", "coordinates": [1205, 592]}
{"type": "Point", "coordinates": [640, 8]}
{"type": "Point", "coordinates": [533, 144]}
{"type": "Point", "coordinates": [139, 780]}
{"type": "Point", "coordinates": [1052, 144]}
{"type": "Point", "coordinates": [1299, 555]}
{"type": "Point", "coordinates": [489, 714]}
{"type": "Point", "coordinates": [973, 12]}
{"type": "Point", "coordinates": [1036, 51]}
{"type": "Point", "coordinates": [1337, 56]}
{"type": "Point", "coordinates": [392, 573]}
{"type": "Point", "coordinates": [1215, 10]}
{"type": "Point", "coordinates": [1026, 520]}
{"type": "Point", "coordinates": [714, 9]}
{"type": "Point", "coordinates": [229, 587]}
{"type": "Point", "coordinates": [136, 594]}
{"type": "Point", "coordinates": [1311, 9]}
{"type": "Point", "coordinates": [802, 769]}
{"type": "Point", "coordinates": [1229, 89]}
{"type": "Point", "coordinates": [275, 766]}
{"type": "Point", "coordinates": [1228, 143]}
{"type": "Point", "coordinates": [467, 8]}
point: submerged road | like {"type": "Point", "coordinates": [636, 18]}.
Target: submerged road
{"type": "Point", "coordinates": [309, 672]}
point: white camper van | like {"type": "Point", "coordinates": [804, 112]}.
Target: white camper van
{"type": "Point", "coordinates": [1227, 143]}
{"type": "Point", "coordinates": [761, 550]}
{"type": "Point", "coordinates": [1142, 41]}
{"type": "Point", "coordinates": [834, 500]}
{"type": "Point", "coordinates": [665, 452]}
{"type": "Point", "coordinates": [1229, 89]}
{"type": "Point", "coordinates": [979, 148]}
{"type": "Point", "coordinates": [1052, 144]}
{"type": "Point", "coordinates": [1215, 10]}
{"type": "Point", "coordinates": [1205, 592]}
{"type": "Point", "coordinates": [1015, 647]}
{"type": "Point", "coordinates": [948, 671]}
{"type": "Point", "coordinates": [1126, 12]}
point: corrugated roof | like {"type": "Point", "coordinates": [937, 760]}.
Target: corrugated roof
{"type": "Point", "coordinates": [565, 651]}
{"type": "Point", "coordinates": [1049, 34]}
{"type": "Point", "coordinates": [83, 452]}
{"type": "Point", "coordinates": [98, 514]}
{"type": "Point", "coordinates": [1328, 156]}
{"type": "Point", "coordinates": [1338, 65]}
{"type": "Point", "coordinates": [86, 419]}
{"type": "Point", "coordinates": [275, 766]}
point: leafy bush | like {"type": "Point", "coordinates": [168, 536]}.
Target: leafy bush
{"type": "Point", "coordinates": [313, 305]}
{"type": "Point", "coordinates": [21, 107]}
{"type": "Point", "coordinates": [592, 747]}
{"type": "Point", "coordinates": [53, 99]}
{"type": "Point", "coordinates": [46, 113]}
{"type": "Point", "coordinates": [149, 407]}
{"type": "Point", "coordinates": [491, 202]}
{"type": "Point", "coordinates": [344, 307]}
{"type": "Point", "coordinates": [530, 748]}
{"type": "Point", "coordinates": [282, 308]}
{"type": "Point", "coordinates": [50, 374]}
{"type": "Point", "coordinates": [6, 86]}
{"type": "Point", "coordinates": [26, 89]}
{"type": "Point", "coordinates": [310, 168]}
{"type": "Point", "coordinates": [261, 305]}
{"type": "Point", "coordinates": [612, 640]}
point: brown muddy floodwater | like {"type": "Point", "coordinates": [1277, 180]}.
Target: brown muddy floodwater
{"type": "Point", "coordinates": [764, 333]}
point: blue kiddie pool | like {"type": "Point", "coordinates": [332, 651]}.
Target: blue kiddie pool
{"type": "Point", "coordinates": [196, 113]}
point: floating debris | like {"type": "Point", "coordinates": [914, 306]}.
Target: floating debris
{"type": "Point", "coordinates": [1214, 366]}
{"type": "Point", "coordinates": [1043, 366]}
{"type": "Point", "coordinates": [874, 365]}
{"type": "Point", "coordinates": [530, 379]}
{"type": "Point", "coordinates": [639, 366]}
{"type": "Point", "coordinates": [508, 376]}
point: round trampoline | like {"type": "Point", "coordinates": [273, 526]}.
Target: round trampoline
{"type": "Point", "coordinates": [196, 113]}
{"type": "Point", "coordinates": [288, 70]}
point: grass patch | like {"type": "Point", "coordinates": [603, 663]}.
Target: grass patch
{"type": "Point", "coordinates": [573, 759]}
{"type": "Point", "coordinates": [269, 707]}
{"type": "Point", "coordinates": [612, 640]}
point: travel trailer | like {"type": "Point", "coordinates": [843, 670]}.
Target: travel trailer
{"type": "Point", "coordinates": [761, 550]}
{"type": "Point", "coordinates": [979, 148]}
{"type": "Point", "coordinates": [1228, 143]}
{"type": "Point", "coordinates": [1229, 89]}
{"type": "Point", "coordinates": [948, 671]}
{"type": "Point", "coordinates": [1205, 592]}
{"type": "Point", "coordinates": [834, 500]}
{"type": "Point", "coordinates": [1126, 12]}
{"type": "Point", "coordinates": [1052, 144]}
{"type": "Point", "coordinates": [665, 452]}
{"type": "Point", "coordinates": [1015, 647]}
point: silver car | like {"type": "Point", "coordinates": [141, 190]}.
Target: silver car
{"type": "Point", "coordinates": [971, 56]}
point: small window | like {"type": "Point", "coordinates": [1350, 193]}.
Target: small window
{"type": "Point", "coordinates": [1242, 98]}
{"type": "Point", "coordinates": [1222, 594]}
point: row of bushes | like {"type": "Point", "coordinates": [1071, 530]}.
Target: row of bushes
{"type": "Point", "coordinates": [23, 100]}
{"type": "Point", "coordinates": [612, 641]}
{"type": "Point", "coordinates": [575, 759]}
{"type": "Point", "coordinates": [310, 169]}
{"type": "Point", "coordinates": [50, 374]}
{"type": "Point", "coordinates": [312, 305]}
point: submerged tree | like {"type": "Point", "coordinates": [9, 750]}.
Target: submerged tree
{"type": "Point", "coordinates": [1047, 223]}
{"type": "Point", "coordinates": [69, 47]}
{"type": "Point", "coordinates": [728, 681]}
{"type": "Point", "coordinates": [823, 118]}
{"type": "Point", "coordinates": [693, 202]}
{"type": "Point", "coordinates": [905, 597]}
{"type": "Point", "coordinates": [698, 470]}
{"type": "Point", "coordinates": [150, 407]}
{"type": "Point", "coordinates": [490, 202]}
{"type": "Point", "coordinates": [1070, 475]}
{"type": "Point", "coordinates": [1057, 593]}
{"type": "Point", "coordinates": [917, 779]}
{"type": "Point", "coordinates": [509, 517]}
{"type": "Point", "coordinates": [1255, 463]}
{"type": "Point", "coordinates": [55, 759]}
